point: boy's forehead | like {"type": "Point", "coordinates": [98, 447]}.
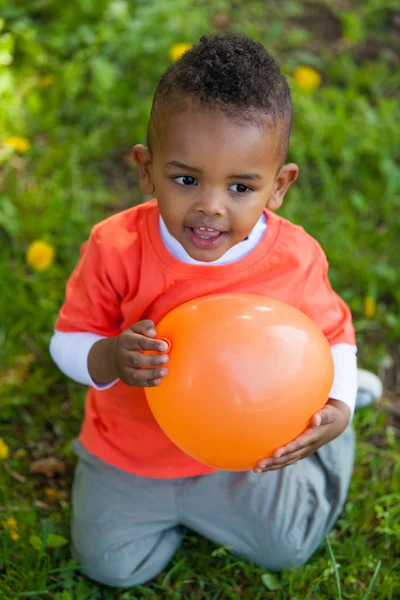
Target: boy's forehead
{"type": "Point", "coordinates": [203, 134]}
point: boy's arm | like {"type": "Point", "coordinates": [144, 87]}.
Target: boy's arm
{"type": "Point", "coordinates": [93, 304]}
{"type": "Point", "coordinates": [71, 351]}
{"type": "Point", "coordinates": [102, 361]}
{"type": "Point", "coordinates": [344, 387]}
{"type": "Point", "coordinates": [91, 312]}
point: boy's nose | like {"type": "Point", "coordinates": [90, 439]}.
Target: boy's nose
{"type": "Point", "coordinates": [211, 204]}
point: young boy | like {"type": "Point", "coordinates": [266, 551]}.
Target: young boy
{"type": "Point", "coordinates": [217, 142]}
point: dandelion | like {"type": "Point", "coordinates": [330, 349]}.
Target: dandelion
{"type": "Point", "coordinates": [45, 81]}
{"type": "Point", "coordinates": [11, 526]}
{"type": "Point", "coordinates": [4, 450]}
{"type": "Point", "coordinates": [20, 144]}
{"type": "Point", "coordinates": [40, 255]}
{"type": "Point", "coordinates": [369, 307]}
{"type": "Point", "coordinates": [307, 78]}
{"type": "Point", "coordinates": [177, 50]}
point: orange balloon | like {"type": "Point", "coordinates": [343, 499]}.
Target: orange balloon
{"type": "Point", "coordinates": [246, 375]}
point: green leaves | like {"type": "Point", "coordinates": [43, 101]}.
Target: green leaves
{"type": "Point", "coordinates": [271, 582]}
{"type": "Point", "coordinates": [52, 541]}
{"type": "Point", "coordinates": [6, 49]}
{"type": "Point", "coordinates": [105, 74]}
{"type": "Point", "coordinates": [36, 542]}
{"type": "Point", "coordinates": [9, 220]}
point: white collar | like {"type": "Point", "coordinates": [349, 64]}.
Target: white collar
{"type": "Point", "coordinates": [235, 253]}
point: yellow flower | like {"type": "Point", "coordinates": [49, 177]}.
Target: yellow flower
{"type": "Point", "coordinates": [307, 78]}
{"type": "Point", "coordinates": [177, 50]}
{"type": "Point", "coordinates": [45, 81]}
{"type": "Point", "coordinates": [4, 450]}
{"type": "Point", "coordinates": [20, 144]}
{"type": "Point", "coordinates": [40, 255]}
{"type": "Point", "coordinates": [52, 494]}
{"type": "Point", "coordinates": [11, 525]}
{"type": "Point", "coordinates": [369, 307]}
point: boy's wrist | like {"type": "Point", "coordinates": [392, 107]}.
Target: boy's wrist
{"type": "Point", "coordinates": [102, 361]}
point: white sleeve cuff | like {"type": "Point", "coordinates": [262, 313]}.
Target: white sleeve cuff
{"type": "Point", "coordinates": [344, 386]}
{"type": "Point", "coordinates": [70, 352]}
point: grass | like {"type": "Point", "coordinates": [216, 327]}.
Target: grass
{"type": "Point", "coordinates": [78, 170]}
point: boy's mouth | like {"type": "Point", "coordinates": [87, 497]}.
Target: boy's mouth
{"type": "Point", "coordinates": [205, 238]}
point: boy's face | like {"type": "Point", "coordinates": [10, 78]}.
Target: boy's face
{"type": "Point", "coordinates": [213, 176]}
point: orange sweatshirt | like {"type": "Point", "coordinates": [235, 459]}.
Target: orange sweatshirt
{"type": "Point", "coordinates": [125, 274]}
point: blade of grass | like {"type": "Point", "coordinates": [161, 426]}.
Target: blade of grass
{"type": "Point", "coordinates": [172, 570]}
{"type": "Point", "coordinates": [335, 566]}
{"type": "Point", "coordinates": [29, 594]}
{"type": "Point", "coordinates": [374, 576]}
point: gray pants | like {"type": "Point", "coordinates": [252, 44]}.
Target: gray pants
{"type": "Point", "coordinates": [126, 528]}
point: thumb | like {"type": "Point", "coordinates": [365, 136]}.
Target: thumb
{"type": "Point", "coordinates": [145, 328]}
{"type": "Point", "coordinates": [323, 417]}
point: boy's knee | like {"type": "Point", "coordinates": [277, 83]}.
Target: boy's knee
{"type": "Point", "coordinates": [285, 549]}
{"type": "Point", "coordinates": [132, 563]}
{"type": "Point", "coordinates": [116, 574]}
{"type": "Point", "coordinates": [284, 556]}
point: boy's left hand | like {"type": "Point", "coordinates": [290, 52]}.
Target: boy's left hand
{"type": "Point", "coordinates": [324, 427]}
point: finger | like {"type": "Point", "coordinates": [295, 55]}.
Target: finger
{"type": "Point", "coordinates": [275, 467]}
{"type": "Point", "coordinates": [325, 416]}
{"type": "Point", "coordinates": [148, 374]}
{"type": "Point", "coordinates": [310, 439]}
{"type": "Point", "coordinates": [146, 328]}
{"type": "Point", "coordinates": [304, 439]}
{"type": "Point", "coordinates": [139, 360]}
{"type": "Point", "coordinates": [135, 341]}
{"type": "Point", "coordinates": [271, 464]}
{"type": "Point", "coordinates": [149, 383]}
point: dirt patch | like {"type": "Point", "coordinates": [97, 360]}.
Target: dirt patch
{"type": "Point", "coordinates": [327, 32]}
{"type": "Point", "coordinates": [321, 22]}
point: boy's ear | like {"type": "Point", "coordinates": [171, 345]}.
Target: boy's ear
{"type": "Point", "coordinates": [286, 176]}
{"type": "Point", "coordinates": [142, 156]}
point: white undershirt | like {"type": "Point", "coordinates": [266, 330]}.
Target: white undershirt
{"type": "Point", "coordinates": [70, 351]}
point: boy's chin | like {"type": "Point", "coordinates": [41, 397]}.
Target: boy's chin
{"type": "Point", "coordinates": [208, 256]}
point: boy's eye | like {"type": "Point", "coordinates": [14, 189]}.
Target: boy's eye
{"type": "Point", "coordinates": [240, 188]}
{"type": "Point", "coordinates": [186, 180]}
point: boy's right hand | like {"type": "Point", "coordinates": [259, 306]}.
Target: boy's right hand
{"type": "Point", "coordinates": [133, 365]}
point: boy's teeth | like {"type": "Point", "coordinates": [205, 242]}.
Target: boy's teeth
{"type": "Point", "coordinates": [206, 232]}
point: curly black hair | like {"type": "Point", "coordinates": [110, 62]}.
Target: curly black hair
{"type": "Point", "coordinates": [230, 72]}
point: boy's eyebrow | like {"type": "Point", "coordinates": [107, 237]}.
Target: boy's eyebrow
{"type": "Point", "coordinates": [175, 163]}
{"type": "Point", "coordinates": [248, 176]}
